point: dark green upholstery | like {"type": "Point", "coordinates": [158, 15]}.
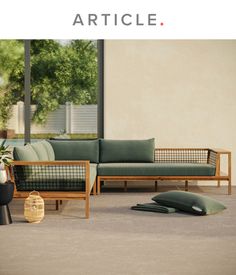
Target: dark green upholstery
{"type": "Point", "coordinates": [155, 169]}
{"type": "Point", "coordinates": [126, 150]}
{"type": "Point", "coordinates": [76, 150]}
{"type": "Point", "coordinates": [189, 202]}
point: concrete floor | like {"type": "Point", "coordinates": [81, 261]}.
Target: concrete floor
{"type": "Point", "coordinates": [117, 240]}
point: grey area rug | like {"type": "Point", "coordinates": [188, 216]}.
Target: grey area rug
{"type": "Point", "coordinates": [117, 240]}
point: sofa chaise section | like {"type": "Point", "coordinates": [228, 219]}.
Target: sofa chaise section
{"type": "Point", "coordinates": [159, 163]}
{"type": "Point", "coordinates": [59, 171]}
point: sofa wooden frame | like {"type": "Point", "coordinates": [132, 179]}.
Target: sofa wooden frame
{"type": "Point", "coordinates": [200, 155]}
{"type": "Point", "coordinates": [58, 195]}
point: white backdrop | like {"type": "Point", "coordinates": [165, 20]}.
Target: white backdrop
{"type": "Point", "coordinates": [27, 19]}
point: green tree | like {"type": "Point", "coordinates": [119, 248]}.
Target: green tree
{"type": "Point", "coordinates": [61, 71]}
{"type": "Point", "coordinates": [11, 62]}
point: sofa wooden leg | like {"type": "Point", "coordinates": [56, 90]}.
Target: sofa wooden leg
{"type": "Point", "coordinates": [156, 185]}
{"type": "Point", "coordinates": [229, 188]}
{"type": "Point", "coordinates": [98, 186]}
{"type": "Point", "coordinates": [60, 202]}
{"type": "Point", "coordinates": [57, 204]}
{"type": "Point", "coordinates": [87, 208]}
{"type": "Point", "coordinates": [125, 186]}
{"type": "Point", "coordinates": [218, 183]}
{"type": "Point", "coordinates": [95, 188]}
{"type": "Point", "coordinates": [186, 186]}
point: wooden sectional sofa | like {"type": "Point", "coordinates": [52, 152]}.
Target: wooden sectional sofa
{"type": "Point", "coordinates": [63, 170]}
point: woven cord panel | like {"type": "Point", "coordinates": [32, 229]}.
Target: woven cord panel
{"type": "Point", "coordinates": [50, 177]}
{"type": "Point", "coordinates": [181, 155]}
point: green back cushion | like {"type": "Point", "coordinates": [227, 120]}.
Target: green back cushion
{"type": "Point", "coordinates": [189, 202]}
{"type": "Point", "coordinates": [127, 150]}
{"type": "Point", "coordinates": [76, 150]}
{"type": "Point", "coordinates": [25, 153]}
{"type": "Point", "coordinates": [49, 149]}
{"type": "Point", "coordinates": [40, 150]}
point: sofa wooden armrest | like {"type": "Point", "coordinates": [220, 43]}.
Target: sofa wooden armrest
{"type": "Point", "coordinates": [198, 155]}
{"type": "Point", "coordinates": [220, 152]}
{"type": "Point", "coordinates": [53, 167]}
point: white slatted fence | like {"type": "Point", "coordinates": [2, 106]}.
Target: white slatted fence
{"type": "Point", "coordinates": [74, 119]}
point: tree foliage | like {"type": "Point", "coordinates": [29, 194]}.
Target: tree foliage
{"type": "Point", "coordinates": [61, 71]}
{"type": "Point", "coordinates": [11, 63]}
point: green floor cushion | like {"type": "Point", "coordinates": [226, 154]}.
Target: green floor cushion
{"type": "Point", "coordinates": [56, 178]}
{"type": "Point", "coordinates": [127, 150]}
{"type": "Point", "coordinates": [153, 207]}
{"type": "Point", "coordinates": [155, 169]}
{"type": "Point", "coordinates": [76, 150]}
{"type": "Point", "coordinates": [189, 202]}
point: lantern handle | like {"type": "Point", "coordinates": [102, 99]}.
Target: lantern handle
{"type": "Point", "coordinates": [34, 191]}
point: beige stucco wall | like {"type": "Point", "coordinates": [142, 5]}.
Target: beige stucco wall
{"type": "Point", "coordinates": [183, 92]}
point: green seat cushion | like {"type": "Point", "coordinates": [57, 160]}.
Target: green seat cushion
{"type": "Point", "coordinates": [155, 169]}
{"type": "Point", "coordinates": [56, 178]}
{"type": "Point", "coordinates": [76, 150]}
{"type": "Point", "coordinates": [25, 153]}
{"type": "Point", "coordinates": [40, 150]}
{"type": "Point", "coordinates": [127, 150]}
{"type": "Point", "coordinates": [189, 202]}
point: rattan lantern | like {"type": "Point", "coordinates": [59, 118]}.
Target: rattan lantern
{"type": "Point", "coordinates": [34, 208]}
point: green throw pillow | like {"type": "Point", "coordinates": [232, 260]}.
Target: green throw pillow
{"type": "Point", "coordinates": [189, 202]}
